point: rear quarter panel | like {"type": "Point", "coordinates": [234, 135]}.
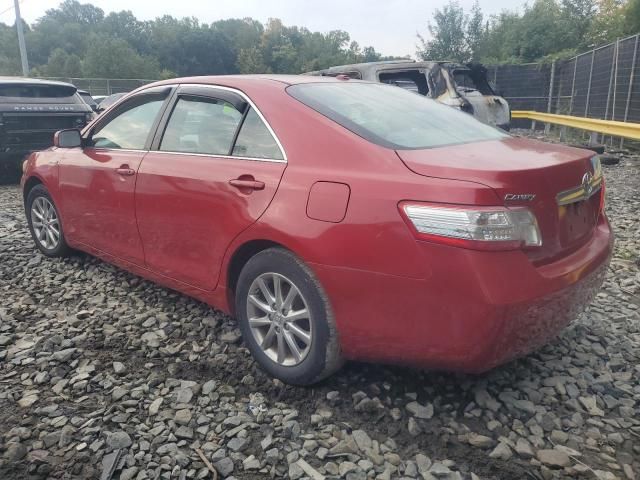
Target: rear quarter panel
{"type": "Point", "coordinates": [372, 236]}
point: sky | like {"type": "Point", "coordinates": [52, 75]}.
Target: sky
{"type": "Point", "coordinates": [388, 25]}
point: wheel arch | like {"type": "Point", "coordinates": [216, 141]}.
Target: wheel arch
{"type": "Point", "coordinates": [31, 182]}
{"type": "Point", "coordinates": [239, 259]}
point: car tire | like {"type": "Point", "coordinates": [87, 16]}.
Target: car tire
{"type": "Point", "coordinates": [272, 324]}
{"type": "Point", "coordinates": [45, 224]}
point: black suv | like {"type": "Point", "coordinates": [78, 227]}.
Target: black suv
{"type": "Point", "coordinates": [31, 111]}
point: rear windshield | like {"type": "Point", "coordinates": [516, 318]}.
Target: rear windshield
{"type": "Point", "coordinates": [36, 91]}
{"type": "Point", "coordinates": [392, 117]}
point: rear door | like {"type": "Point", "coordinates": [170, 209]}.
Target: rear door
{"type": "Point", "coordinates": [214, 167]}
{"type": "Point", "coordinates": [98, 181]}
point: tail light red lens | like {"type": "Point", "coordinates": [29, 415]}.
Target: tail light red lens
{"type": "Point", "coordinates": [479, 228]}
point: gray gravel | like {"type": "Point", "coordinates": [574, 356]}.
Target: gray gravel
{"type": "Point", "coordinates": [100, 369]}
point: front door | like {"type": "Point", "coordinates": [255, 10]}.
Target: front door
{"type": "Point", "coordinates": [98, 180]}
{"type": "Point", "coordinates": [214, 170]}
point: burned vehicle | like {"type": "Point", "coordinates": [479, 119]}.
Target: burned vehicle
{"type": "Point", "coordinates": [31, 111]}
{"type": "Point", "coordinates": [462, 86]}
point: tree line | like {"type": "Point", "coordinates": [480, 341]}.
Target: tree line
{"type": "Point", "coordinates": [543, 30]}
{"type": "Point", "coordinates": [79, 40]}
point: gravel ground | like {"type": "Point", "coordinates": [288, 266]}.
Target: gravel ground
{"type": "Point", "coordinates": [101, 371]}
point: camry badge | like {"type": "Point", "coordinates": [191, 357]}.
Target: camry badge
{"type": "Point", "coordinates": [523, 197]}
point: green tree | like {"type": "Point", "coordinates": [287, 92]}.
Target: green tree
{"type": "Point", "coordinates": [475, 31]}
{"type": "Point", "coordinates": [72, 11]}
{"type": "Point", "coordinates": [241, 35]}
{"type": "Point", "coordinates": [576, 17]}
{"type": "Point", "coordinates": [9, 59]}
{"type": "Point", "coordinates": [126, 26]}
{"type": "Point", "coordinates": [501, 38]}
{"type": "Point", "coordinates": [632, 17]}
{"type": "Point", "coordinates": [278, 46]}
{"type": "Point", "coordinates": [56, 65]}
{"type": "Point", "coordinates": [250, 61]}
{"type": "Point", "coordinates": [76, 39]}
{"type": "Point", "coordinates": [369, 54]}
{"type": "Point", "coordinates": [540, 32]}
{"type": "Point", "coordinates": [448, 35]}
{"type": "Point", "coordinates": [114, 58]}
{"type": "Point", "coordinates": [73, 66]}
{"type": "Point", "coordinates": [609, 22]}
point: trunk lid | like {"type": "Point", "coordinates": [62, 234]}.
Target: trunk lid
{"type": "Point", "coordinates": [517, 168]}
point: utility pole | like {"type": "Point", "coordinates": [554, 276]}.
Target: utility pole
{"type": "Point", "coordinates": [23, 48]}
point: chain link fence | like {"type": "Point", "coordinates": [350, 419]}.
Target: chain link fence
{"type": "Point", "coordinates": [602, 83]}
{"type": "Point", "coordinates": [104, 86]}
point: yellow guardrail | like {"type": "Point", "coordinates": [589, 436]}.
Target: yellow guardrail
{"type": "Point", "coordinates": [607, 127]}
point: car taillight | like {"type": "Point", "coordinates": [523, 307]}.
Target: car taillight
{"type": "Point", "coordinates": [480, 228]}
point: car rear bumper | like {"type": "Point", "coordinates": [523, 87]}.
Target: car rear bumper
{"type": "Point", "coordinates": [472, 311]}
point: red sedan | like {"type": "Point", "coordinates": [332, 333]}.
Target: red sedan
{"type": "Point", "coordinates": [337, 219]}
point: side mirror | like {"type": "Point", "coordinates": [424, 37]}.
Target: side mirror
{"type": "Point", "coordinates": [69, 138]}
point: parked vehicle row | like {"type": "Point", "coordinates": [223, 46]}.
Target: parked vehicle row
{"type": "Point", "coordinates": [100, 103]}
{"type": "Point", "coordinates": [336, 218]}
{"type": "Point", "coordinates": [464, 87]}
{"type": "Point", "coordinates": [109, 100]}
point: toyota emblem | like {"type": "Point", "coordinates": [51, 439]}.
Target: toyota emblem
{"type": "Point", "coordinates": [587, 187]}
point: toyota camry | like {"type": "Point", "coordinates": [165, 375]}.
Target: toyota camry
{"type": "Point", "coordinates": [336, 219]}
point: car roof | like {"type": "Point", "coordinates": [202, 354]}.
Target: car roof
{"type": "Point", "coordinates": [32, 81]}
{"type": "Point", "coordinates": [252, 78]}
{"type": "Point", "coordinates": [249, 83]}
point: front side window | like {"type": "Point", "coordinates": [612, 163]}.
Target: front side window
{"type": "Point", "coordinates": [392, 117]}
{"type": "Point", "coordinates": [255, 140]}
{"type": "Point", "coordinates": [129, 129]}
{"type": "Point", "coordinates": [201, 125]}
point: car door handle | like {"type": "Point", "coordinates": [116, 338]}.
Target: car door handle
{"type": "Point", "coordinates": [125, 171]}
{"type": "Point", "coordinates": [246, 184]}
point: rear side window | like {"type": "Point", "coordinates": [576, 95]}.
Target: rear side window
{"type": "Point", "coordinates": [201, 125]}
{"type": "Point", "coordinates": [392, 117]}
{"type": "Point", "coordinates": [255, 140]}
{"type": "Point", "coordinates": [214, 127]}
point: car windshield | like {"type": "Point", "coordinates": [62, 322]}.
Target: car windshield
{"type": "Point", "coordinates": [392, 117]}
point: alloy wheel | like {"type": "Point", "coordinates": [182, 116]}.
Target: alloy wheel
{"type": "Point", "coordinates": [45, 222]}
{"type": "Point", "coordinates": [279, 319]}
